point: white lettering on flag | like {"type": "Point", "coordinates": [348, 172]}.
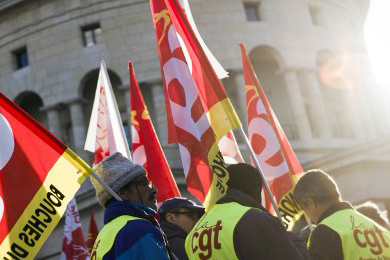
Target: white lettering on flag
{"type": "Point", "coordinates": [7, 146]}
{"type": "Point", "coordinates": [1, 208]}
{"type": "Point", "coordinates": [271, 144]}
{"type": "Point", "coordinates": [6, 142]}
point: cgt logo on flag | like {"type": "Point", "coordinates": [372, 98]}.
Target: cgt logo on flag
{"type": "Point", "coordinates": [6, 150]}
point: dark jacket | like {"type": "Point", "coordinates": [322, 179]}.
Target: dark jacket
{"type": "Point", "coordinates": [176, 239]}
{"type": "Point", "coordinates": [325, 243]}
{"type": "Point", "coordinates": [138, 239]}
{"type": "Point", "coordinates": [259, 235]}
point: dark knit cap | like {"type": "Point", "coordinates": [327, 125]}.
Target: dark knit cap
{"type": "Point", "coordinates": [244, 177]}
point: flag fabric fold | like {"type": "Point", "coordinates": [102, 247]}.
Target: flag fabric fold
{"type": "Point", "coordinates": [198, 111]}
{"type": "Point", "coordinates": [219, 70]}
{"type": "Point", "coordinates": [278, 162]}
{"type": "Point", "coordinates": [105, 132]}
{"type": "Point", "coordinates": [39, 175]}
{"type": "Point", "coordinates": [73, 245]}
{"type": "Point", "coordinates": [229, 149]}
{"type": "Point", "coordinates": [147, 150]}
{"type": "Point", "coordinates": [92, 232]}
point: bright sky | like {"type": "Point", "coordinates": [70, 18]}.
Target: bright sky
{"type": "Point", "coordinates": [377, 35]}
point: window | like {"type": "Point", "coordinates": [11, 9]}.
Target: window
{"type": "Point", "coordinates": [91, 34]}
{"type": "Point", "coordinates": [315, 15]}
{"type": "Point", "coordinates": [20, 58]}
{"type": "Point", "coordinates": [252, 11]}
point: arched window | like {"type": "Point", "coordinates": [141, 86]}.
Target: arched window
{"type": "Point", "coordinates": [267, 63]}
{"type": "Point", "coordinates": [32, 104]}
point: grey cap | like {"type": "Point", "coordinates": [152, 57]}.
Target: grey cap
{"type": "Point", "coordinates": [116, 171]}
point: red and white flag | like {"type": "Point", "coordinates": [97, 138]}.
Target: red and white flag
{"type": "Point", "coordinates": [105, 132]}
{"type": "Point", "coordinates": [198, 110]}
{"type": "Point", "coordinates": [92, 232]}
{"type": "Point", "coordinates": [147, 150]}
{"type": "Point", "coordinates": [227, 145]}
{"type": "Point", "coordinates": [73, 245]}
{"type": "Point", "coordinates": [39, 175]}
{"type": "Point", "coordinates": [278, 162]}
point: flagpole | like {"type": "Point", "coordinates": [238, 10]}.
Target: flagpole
{"type": "Point", "coordinates": [113, 193]}
{"type": "Point", "coordinates": [252, 153]}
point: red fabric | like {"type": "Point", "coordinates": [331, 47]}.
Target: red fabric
{"type": "Point", "coordinates": [35, 152]}
{"type": "Point", "coordinates": [268, 140]}
{"type": "Point", "coordinates": [147, 150]}
{"type": "Point", "coordinates": [187, 122]}
{"type": "Point", "coordinates": [92, 232]}
{"type": "Point", "coordinates": [73, 245]}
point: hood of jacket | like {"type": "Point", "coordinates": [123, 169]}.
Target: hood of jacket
{"type": "Point", "coordinates": [171, 230]}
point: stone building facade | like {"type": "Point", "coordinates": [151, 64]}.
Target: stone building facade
{"type": "Point", "coordinates": [309, 55]}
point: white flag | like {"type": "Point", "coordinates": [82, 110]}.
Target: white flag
{"type": "Point", "coordinates": [105, 133]}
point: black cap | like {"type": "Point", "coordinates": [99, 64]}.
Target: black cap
{"type": "Point", "coordinates": [175, 203]}
{"type": "Point", "coordinates": [244, 177]}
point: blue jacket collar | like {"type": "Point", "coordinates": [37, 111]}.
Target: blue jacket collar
{"type": "Point", "coordinates": [119, 208]}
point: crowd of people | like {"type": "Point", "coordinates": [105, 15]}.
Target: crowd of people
{"type": "Point", "coordinates": [237, 226]}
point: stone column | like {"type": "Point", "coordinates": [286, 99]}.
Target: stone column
{"type": "Point", "coordinates": [53, 116]}
{"type": "Point", "coordinates": [365, 113]}
{"type": "Point", "coordinates": [160, 124]}
{"type": "Point", "coordinates": [78, 126]}
{"type": "Point", "coordinates": [318, 115]}
{"type": "Point", "coordinates": [353, 115]}
{"type": "Point", "coordinates": [298, 106]}
{"type": "Point", "coordinates": [239, 81]}
{"type": "Point", "coordinates": [126, 91]}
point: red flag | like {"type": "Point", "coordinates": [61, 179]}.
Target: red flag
{"type": "Point", "coordinates": [189, 112]}
{"type": "Point", "coordinates": [73, 245]}
{"type": "Point", "coordinates": [216, 104]}
{"type": "Point", "coordinates": [92, 232]}
{"type": "Point", "coordinates": [147, 150]}
{"type": "Point", "coordinates": [280, 166]}
{"type": "Point", "coordinates": [39, 175]}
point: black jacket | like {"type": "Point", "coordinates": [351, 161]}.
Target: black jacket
{"type": "Point", "coordinates": [325, 243]}
{"type": "Point", "coordinates": [176, 239]}
{"type": "Point", "coordinates": [259, 235]}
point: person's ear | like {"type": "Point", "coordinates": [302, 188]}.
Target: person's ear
{"type": "Point", "coordinates": [170, 218]}
{"type": "Point", "coordinates": [125, 194]}
{"type": "Point", "coordinates": [311, 204]}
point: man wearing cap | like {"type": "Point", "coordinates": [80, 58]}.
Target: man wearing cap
{"type": "Point", "coordinates": [177, 217]}
{"type": "Point", "coordinates": [341, 231]}
{"type": "Point", "coordinates": [238, 227]}
{"type": "Point", "coordinates": [130, 230]}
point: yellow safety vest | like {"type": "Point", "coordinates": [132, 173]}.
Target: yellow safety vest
{"type": "Point", "coordinates": [361, 238]}
{"type": "Point", "coordinates": [212, 236]}
{"type": "Point", "coordinates": [106, 237]}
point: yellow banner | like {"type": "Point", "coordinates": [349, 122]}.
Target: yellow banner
{"type": "Point", "coordinates": [218, 185]}
{"type": "Point", "coordinates": [223, 118]}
